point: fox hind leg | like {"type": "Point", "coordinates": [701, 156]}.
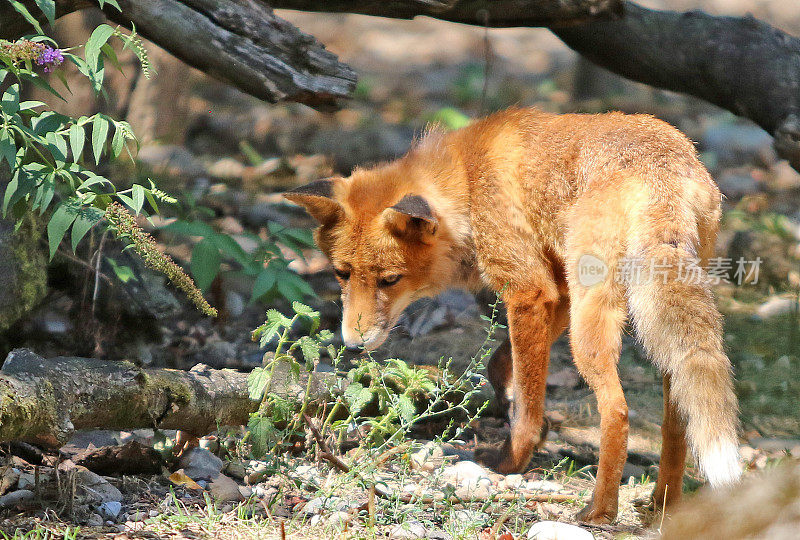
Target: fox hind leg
{"type": "Point", "coordinates": [598, 316]}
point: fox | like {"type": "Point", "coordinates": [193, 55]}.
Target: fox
{"type": "Point", "coordinates": [519, 201]}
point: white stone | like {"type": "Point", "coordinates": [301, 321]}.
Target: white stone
{"type": "Point", "coordinates": [553, 530]}
{"type": "Point", "coordinates": [513, 481]}
{"type": "Point", "coordinates": [427, 458]}
{"type": "Point", "coordinates": [408, 530]}
{"type": "Point", "coordinates": [543, 485]}
{"type": "Point", "coordinates": [466, 474]}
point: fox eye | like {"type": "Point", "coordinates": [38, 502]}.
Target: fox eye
{"type": "Point", "coordinates": [341, 274]}
{"type": "Point", "coordinates": [388, 281]}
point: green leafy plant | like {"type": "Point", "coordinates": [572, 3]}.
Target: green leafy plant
{"type": "Point", "coordinates": [265, 265]}
{"type": "Point", "coordinates": [378, 403]}
{"type": "Point", "coordinates": [52, 157]}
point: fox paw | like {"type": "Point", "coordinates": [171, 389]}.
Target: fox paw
{"type": "Point", "coordinates": [596, 516]}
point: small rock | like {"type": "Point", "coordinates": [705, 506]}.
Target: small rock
{"type": "Point", "coordinates": [477, 493]}
{"type": "Point", "coordinates": [224, 488]}
{"type": "Point", "coordinates": [96, 486]}
{"type": "Point", "coordinates": [428, 458]}
{"type": "Point", "coordinates": [554, 530]}
{"type": "Point", "coordinates": [338, 518]}
{"type": "Point", "coordinates": [235, 469]}
{"type": "Point", "coordinates": [226, 168]}
{"type": "Point", "coordinates": [318, 504]}
{"type": "Point", "coordinates": [16, 497]}
{"type": "Point", "coordinates": [246, 491]}
{"type": "Point", "coordinates": [26, 481]}
{"type": "Point", "coordinates": [775, 306]}
{"type": "Point", "coordinates": [466, 474]}
{"type": "Point", "coordinates": [543, 485]}
{"type": "Point", "coordinates": [564, 378]}
{"type": "Point", "coordinates": [234, 304]}
{"type": "Point", "coordinates": [95, 520]}
{"type": "Point", "coordinates": [8, 480]}
{"type": "Point", "coordinates": [153, 513]}
{"type": "Point", "coordinates": [513, 481]}
{"type": "Point", "coordinates": [633, 471]}
{"type": "Point", "coordinates": [110, 509]}
{"type": "Point", "coordinates": [409, 529]}
{"type": "Point", "coordinates": [199, 463]}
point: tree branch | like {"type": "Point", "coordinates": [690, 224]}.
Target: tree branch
{"type": "Point", "coordinates": [240, 42]}
{"type": "Point", "coordinates": [494, 13]}
{"type": "Point", "coordinates": [738, 63]}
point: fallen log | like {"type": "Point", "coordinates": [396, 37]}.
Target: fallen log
{"type": "Point", "coordinates": [45, 401]}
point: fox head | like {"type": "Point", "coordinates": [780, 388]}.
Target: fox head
{"type": "Point", "coordinates": [388, 242]}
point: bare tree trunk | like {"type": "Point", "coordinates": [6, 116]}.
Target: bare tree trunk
{"type": "Point", "coordinates": [46, 400]}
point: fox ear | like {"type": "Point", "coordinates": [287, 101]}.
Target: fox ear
{"type": "Point", "coordinates": [317, 199]}
{"type": "Point", "coordinates": [412, 217]}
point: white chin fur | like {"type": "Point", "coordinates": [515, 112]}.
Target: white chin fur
{"type": "Point", "coordinates": [720, 464]}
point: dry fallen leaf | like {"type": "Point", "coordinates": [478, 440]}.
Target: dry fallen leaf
{"type": "Point", "coordinates": [179, 478]}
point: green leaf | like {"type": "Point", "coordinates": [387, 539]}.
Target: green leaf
{"type": "Point", "coordinates": [257, 382]}
{"type": "Point", "coordinates": [57, 146]}
{"type": "Point", "coordinates": [310, 348]}
{"type": "Point", "coordinates": [27, 105]}
{"type": "Point", "coordinates": [96, 41]}
{"type": "Point", "coordinates": [10, 100]}
{"type": "Point", "coordinates": [8, 149]}
{"type": "Point", "coordinates": [47, 189]}
{"type": "Point", "coordinates": [77, 137]}
{"type": "Point", "coordinates": [118, 142]}
{"type": "Point", "coordinates": [406, 409]}
{"type": "Point", "coordinates": [22, 10]}
{"type": "Point", "coordinates": [357, 397]}
{"type": "Point", "coordinates": [264, 282]}
{"type": "Point", "coordinates": [108, 50]}
{"type": "Point", "coordinates": [189, 228]}
{"type": "Point", "coordinates": [123, 272]}
{"type": "Point", "coordinates": [205, 263]}
{"type": "Point", "coordinates": [302, 309]}
{"type": "Point", "coordinates": [99, 135]}
{"type": "Point", "coordinates": [62, 218]}
{"type": "Point", "coordinates": [85, 220]}
{"type": "Point", "coordinates": [138, 198]}
{"type": "Point", "coordinates": [48, 7]}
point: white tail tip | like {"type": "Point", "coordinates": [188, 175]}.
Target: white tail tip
{"type": "Point", "coordinates": [720, 464]}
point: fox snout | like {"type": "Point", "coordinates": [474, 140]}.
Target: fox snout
{"type": "Point", "coordinates": [355, 341]}
{"type": "Point", "coordinates": [362, 328]}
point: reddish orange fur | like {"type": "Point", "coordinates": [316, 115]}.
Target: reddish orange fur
{"type": "Point", "coordinates": [515, 199]}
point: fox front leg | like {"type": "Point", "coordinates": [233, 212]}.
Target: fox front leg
{"type": "Point", "coordinates": [531, 319]}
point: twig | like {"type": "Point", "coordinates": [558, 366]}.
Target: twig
{"type": "Point", "coordinates": [325, 452]}
{"type": "Point", "coordinates": [99, 258]}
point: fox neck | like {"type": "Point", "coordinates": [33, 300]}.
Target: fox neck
{"type": "Point", "coordinates": [449, 192]}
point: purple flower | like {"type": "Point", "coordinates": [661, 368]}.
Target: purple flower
{"type": "Point", "coordinates": [50, 58]}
